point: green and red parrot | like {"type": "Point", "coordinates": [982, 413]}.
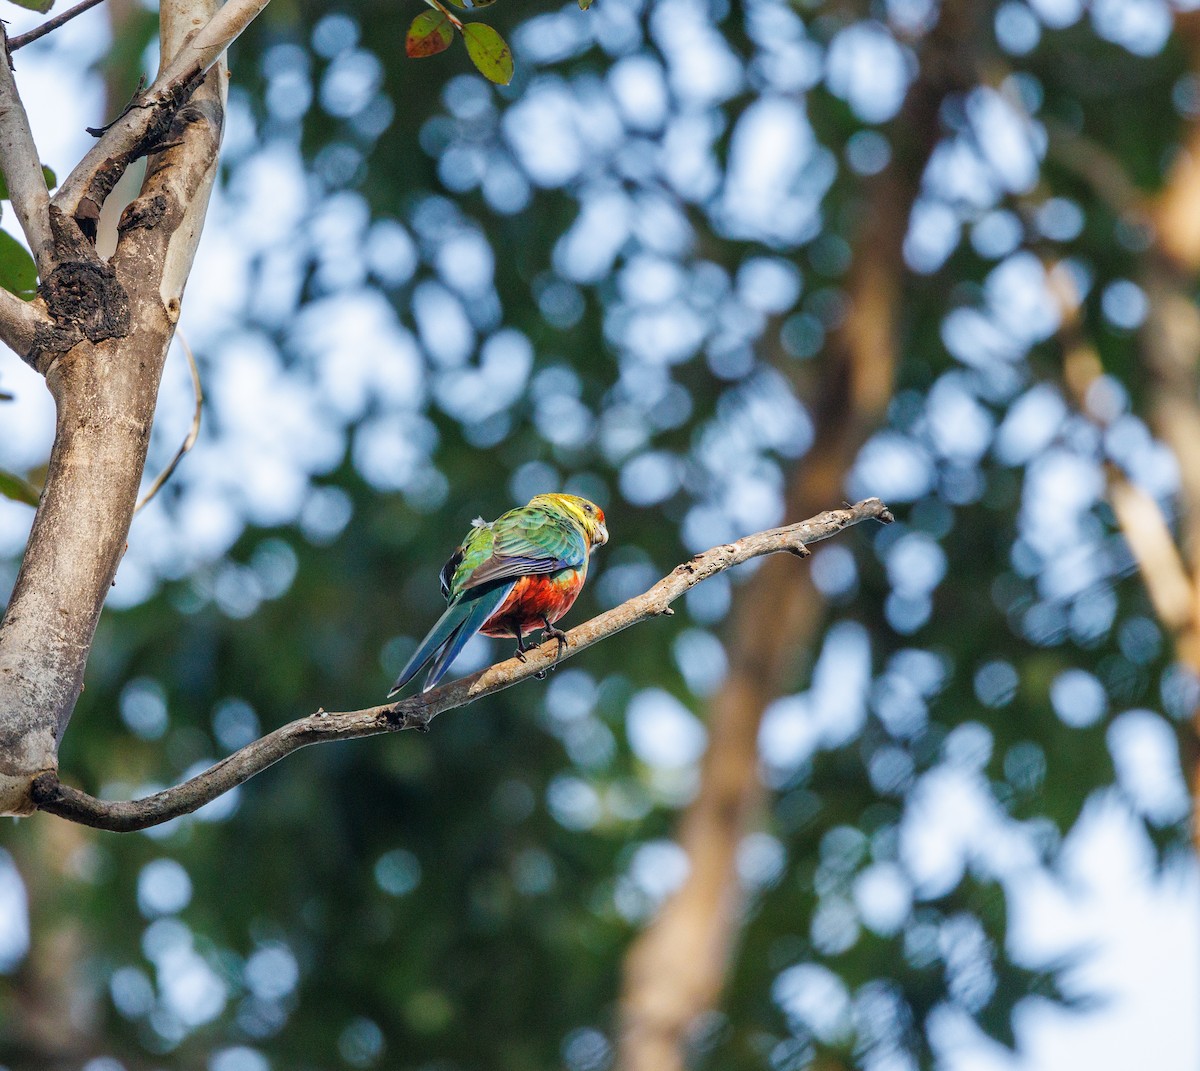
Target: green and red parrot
{"type": "Point", "coordinates": [510, 576]}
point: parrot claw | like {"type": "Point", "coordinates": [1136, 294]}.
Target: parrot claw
{"type": "Point", "coordinates": [548, 630]}
{"type": "Point", "coordinates": [521, 648]}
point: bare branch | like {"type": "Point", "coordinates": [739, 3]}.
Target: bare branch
{"type": "Point", "coordinates": [51, 795]}
{"type": "Point", "coordinates": [50, 25]}
{"type": "Point", "coordinates": [19, 322]}
{"type": "Point", "coordinates": [147, 119]}
{"type": "Point", "coordinates": [190, 440]}
{"type": "Point", "coordinates": [22, 168]}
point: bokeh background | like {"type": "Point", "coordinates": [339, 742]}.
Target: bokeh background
{"type": "Point", "coordinates": [713, 264]}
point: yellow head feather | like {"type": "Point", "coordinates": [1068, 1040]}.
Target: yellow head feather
{"type": "Point", "coordinates": [588, 515]}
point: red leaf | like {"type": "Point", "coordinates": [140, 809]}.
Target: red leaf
{"type": "Point", "coordinates": [429, 34]}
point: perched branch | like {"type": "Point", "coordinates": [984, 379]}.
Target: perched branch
{"type": "Point", "coordinates": [22, 168]}
{"type": "Point", "coordinates": [50, 25]}
{"type": "Point", "coordinates": [146, 120]}
{"type": "Point", "coordinates": [19, 322]}
{"type": "Point", "coordinates": [192, 434]}
{"type": "Point", "coordinates": [49, 794]}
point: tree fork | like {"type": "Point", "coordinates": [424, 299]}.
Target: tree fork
{"type": "Point", "coordinates": [100, 334]}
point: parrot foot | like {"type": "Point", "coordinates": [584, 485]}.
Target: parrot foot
{"type": "Point", "coordinates": [548, 630]}
{"type": "Point", "coordinates": [521, 648]}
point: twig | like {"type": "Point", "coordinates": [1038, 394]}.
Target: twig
{"type": "Point", "coordinates": [49, 794]}
{"type": "Point", "coordinates": [190, 440]}
{"type": "Point", "coordinates": [100, 131]}
{"type": "Point", "coordinates": [21, 40]}
{"type": "Point", "coordinates": [22, 168]}
{"type": "Point", "coordinates": [437, 5]}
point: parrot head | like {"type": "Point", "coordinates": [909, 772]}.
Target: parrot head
{"type": "Point", "coordinates": [587, 515]}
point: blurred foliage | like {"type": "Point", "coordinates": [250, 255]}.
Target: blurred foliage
{"type": "Point", "coordinates": [430, 299]}
{"type": "Point", "coordinates": [18, 273]}
{"type": "Point", "coordinates": [18, 489]}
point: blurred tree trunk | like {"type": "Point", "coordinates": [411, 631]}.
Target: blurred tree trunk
{"type": "Point", "coordinates": [1171, 351]}
{"type": "Point", "coordinates": [1168, 561]}
{"type": "Point", "coordinates": [675, 970]}
{"type": "Point", "coordinates": [54, 1007]}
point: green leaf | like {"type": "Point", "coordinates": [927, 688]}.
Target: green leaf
{"type": "Point", "coordinates": [585, 4]}
{"type": "Point", "coordinates": [489, 52]}
{"type": "Point", "coordinates": [429, 34]}
{"type": "Point", "coordinates": [47, 174]}
{"type": "Point", "coordinates": [35, 5]}
{"type": "Point", "coordinates": [19, 490]}
{"type": "Point", "coordinates": [18, 273]}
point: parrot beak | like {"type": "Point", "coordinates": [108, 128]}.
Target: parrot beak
{"type": "Point", "coordinates": [600, 537]}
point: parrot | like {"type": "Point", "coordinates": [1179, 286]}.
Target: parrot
{"type": "Point", "coordinates": [510, 576]}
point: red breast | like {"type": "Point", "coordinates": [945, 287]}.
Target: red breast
{"type": "Point", "coordinates": [531, 598]}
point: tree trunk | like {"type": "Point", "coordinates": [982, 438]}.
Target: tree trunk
{"type": "Point", "coordinates": [106, 332]}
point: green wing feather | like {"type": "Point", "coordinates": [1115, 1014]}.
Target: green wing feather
{"type": "Point", "coordinates": [522, 542]}
{"type": "Point", "coordinates": [481, 573]}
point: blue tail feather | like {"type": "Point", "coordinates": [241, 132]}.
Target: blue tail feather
{"type": "Point", "coordinates": [484, 606]}
{"type": "Point", "coordinates": [462, 619]}
{"type": "Point", "coordinates": [447, 624]}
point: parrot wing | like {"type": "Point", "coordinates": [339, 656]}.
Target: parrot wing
{"type": "Point", "coordinates": [462, 619]}
{"type": "Point", "coordinates": [481, 574]}
{"type": "Point", "coordinates": [524, 542]}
